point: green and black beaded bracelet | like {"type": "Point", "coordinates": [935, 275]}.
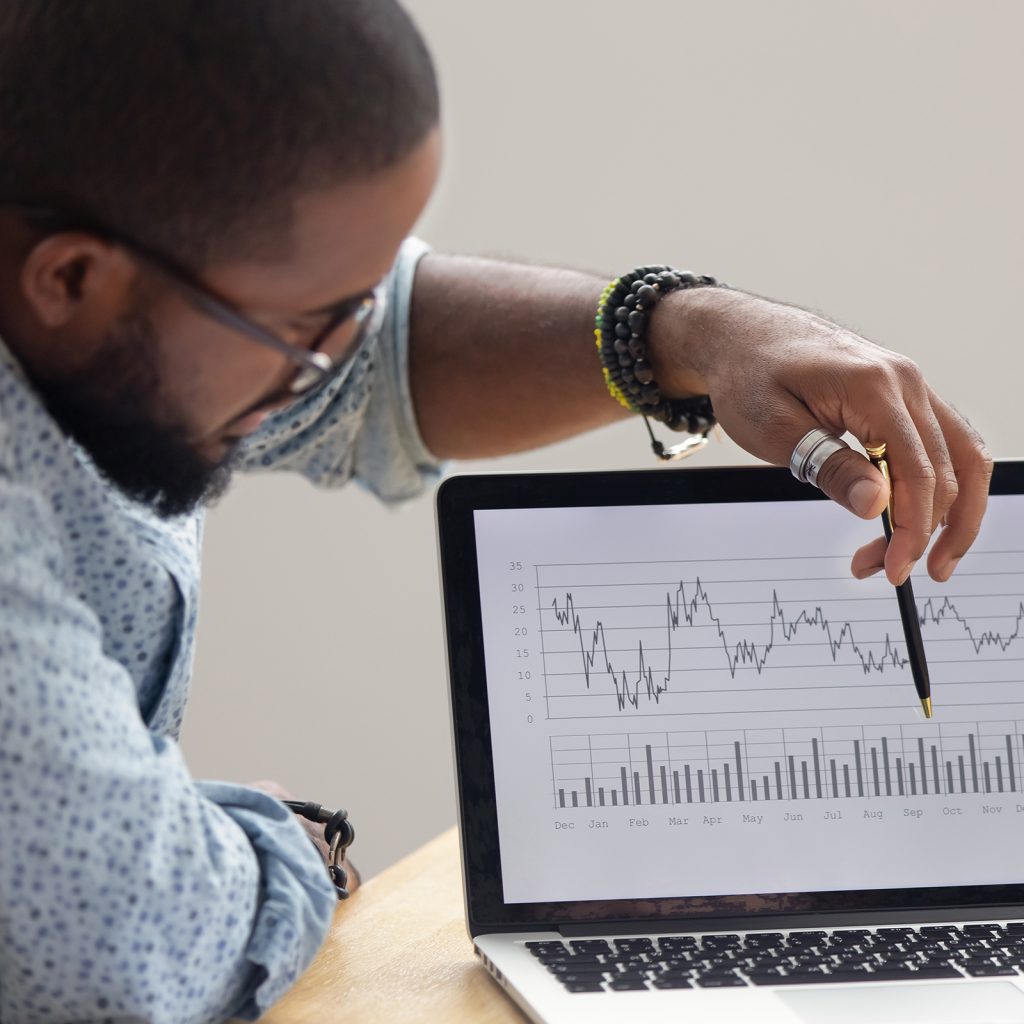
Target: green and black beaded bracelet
{"type": "Point", "coordinates": [623, 318]}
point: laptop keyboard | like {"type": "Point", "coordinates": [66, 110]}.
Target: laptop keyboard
{"type": "Point", "coordinates": [791, 958]}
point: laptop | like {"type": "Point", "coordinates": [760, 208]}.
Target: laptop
{"type": "Point", "coordinates": [695, 783]}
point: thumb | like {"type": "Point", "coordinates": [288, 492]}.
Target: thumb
{"type": "Point", "coordinates": [850, 480]}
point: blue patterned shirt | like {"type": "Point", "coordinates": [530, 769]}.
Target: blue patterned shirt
{"type": "Point", "coordinates": [129, 891]}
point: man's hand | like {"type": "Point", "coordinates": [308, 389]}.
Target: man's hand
{"type": "Point", "coordinates": [775, 372]}
{"type": "Point", "coordinates": [314, 830]}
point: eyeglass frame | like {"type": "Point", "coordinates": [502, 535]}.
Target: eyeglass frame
{"type": "Point", "coordinates": [315, 368]}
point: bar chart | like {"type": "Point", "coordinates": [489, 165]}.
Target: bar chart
{"type": "Point", "coordinates": [897, 761]}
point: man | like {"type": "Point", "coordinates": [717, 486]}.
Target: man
{"type": "Point", "coordinates": [203, 266]}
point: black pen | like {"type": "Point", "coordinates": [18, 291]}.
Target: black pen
{"type": "Point", "coordinates": [905, 595]}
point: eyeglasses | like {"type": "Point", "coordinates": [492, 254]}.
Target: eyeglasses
{"type": "Point", "coordinates": [315, 367]}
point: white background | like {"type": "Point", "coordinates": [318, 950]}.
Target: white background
{"type": "Point", "coordinates": [863, 159]}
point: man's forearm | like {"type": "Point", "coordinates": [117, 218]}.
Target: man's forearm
{"type": "Point", "coordinates": [502, 356]}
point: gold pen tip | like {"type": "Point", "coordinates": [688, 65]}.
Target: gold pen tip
{"type": "Point", "coordinates": [926, 704]}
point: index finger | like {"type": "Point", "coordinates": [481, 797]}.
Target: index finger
{"type": "Point", "coordinates": [972, 464]}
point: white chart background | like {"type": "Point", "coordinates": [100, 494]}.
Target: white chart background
{"type": "Point", "coordinates": [725, 640]}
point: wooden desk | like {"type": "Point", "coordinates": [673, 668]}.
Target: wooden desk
{"type": "Point", "coordinates": [399, 952]}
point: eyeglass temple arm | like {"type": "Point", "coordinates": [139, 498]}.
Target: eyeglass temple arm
{"type": "Point", "coordinates": [217, 308]}
{"type": "Point", "coordinates": [220, 311]}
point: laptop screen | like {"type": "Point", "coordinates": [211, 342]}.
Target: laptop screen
{"type": "Point", "coordinates": [689, 697]}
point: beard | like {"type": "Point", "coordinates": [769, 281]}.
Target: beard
{"type": "Point", "coordinates": [111, 408]}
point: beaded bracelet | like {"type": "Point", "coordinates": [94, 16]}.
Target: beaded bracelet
{"type": "Point", "coordinates": [623, 316]}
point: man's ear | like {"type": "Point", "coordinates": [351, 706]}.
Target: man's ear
{"type": "Point", "coordinates": [76, 276]}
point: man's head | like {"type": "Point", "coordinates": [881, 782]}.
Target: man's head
{"type": "Point", "coordinates": [278, 151]}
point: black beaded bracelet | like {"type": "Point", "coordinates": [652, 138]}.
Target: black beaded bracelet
{"type": "Point", "coordinates": [623, 317]}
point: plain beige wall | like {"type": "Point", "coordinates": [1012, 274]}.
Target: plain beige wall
{"type": "Point", "coordinates": [861, 158]}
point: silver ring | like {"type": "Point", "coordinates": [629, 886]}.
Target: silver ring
{"type": "Point", "coordinates": [813, 450]}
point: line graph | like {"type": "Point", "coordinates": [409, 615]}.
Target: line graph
{"type": "Point", "coordinates": [685, 637]}
{"type": "Point", "coordinates": [681, 610]}
{"type": "Point", "coordinates": [930, 615]}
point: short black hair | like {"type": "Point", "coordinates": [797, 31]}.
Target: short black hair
{"type": "Point", "coordinates": [194, 124]}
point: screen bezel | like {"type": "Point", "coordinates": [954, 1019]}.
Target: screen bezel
{"type": "Point", "coordinates": [457, 499]}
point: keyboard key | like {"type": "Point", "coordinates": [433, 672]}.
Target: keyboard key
{"type": "Point", "coordinates": [799, 979]}
{"type": "Point", "coordinates": [763, 938]}
{"type": "Point", "coordinates": [989, 970]}
{"type": "Point", "coordinates": [591, 946]}
{"type": "Point", "coordinates": [580, 969]}
{"type": "Point", "coordinates": [627, 984]}
{"type": "Point", "coordinates": [548, 949]}
{"type": "Point", "coordinates": [584, 986]}
{"type": "Point", "coordinates": [567, 958]}
{"type": "Point", "coordinates": [857, 976]}
{"type": "Point", "coordinates": [720, 981]}
{"type": "Point", "coordinates": [922, 974]}
{"type": "Point", "coordinates": [644, 976]}
{"type": "Point", "coordinates": [672, 983]}
{"type": "Point", "coordinates": [804, 979]}
{"type": "Point", "coordinates": [634, 945]}
{"type": "Point", "coordinates": [580, 979]}
{"type": "Point", "coordinates": [720, 941]}
{"type": "Point", "coordinates": [894, 933]}
{"type": "Point", "coordinates": [673, 942]}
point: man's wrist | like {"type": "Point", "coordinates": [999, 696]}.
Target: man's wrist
{"type": "Point", "coordinates": [684, 339]}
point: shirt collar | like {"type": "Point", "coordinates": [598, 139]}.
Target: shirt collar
{"type": "Point", "coordinates": [10, 363]}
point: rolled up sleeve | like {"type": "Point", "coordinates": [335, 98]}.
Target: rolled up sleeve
{"type": "Point", "coordinates": [128, 890]}
{"type": "Point", "coordinates": [362, 426]}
